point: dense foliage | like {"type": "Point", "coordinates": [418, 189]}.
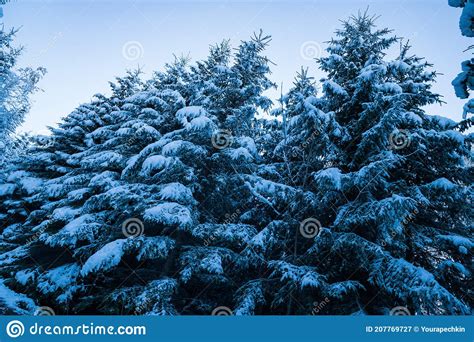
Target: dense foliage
{"type": "Point", "coordinates": [191, 192]}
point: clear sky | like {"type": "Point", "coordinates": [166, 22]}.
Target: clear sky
{"type": "Point", "coordinates": [85, 43]}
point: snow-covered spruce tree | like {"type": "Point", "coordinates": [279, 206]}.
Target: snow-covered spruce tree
{"type": "Point", "coordinates": [388, 181]}
{"type": "Point", "coordinates": [147, 166]}
{"type": "Point", "coordinates": [16, 86]}
{"type": "Point", "coordinates": [49, 158]}
{"type": "Point", "coordinates": [400, 187]}
{"type": "Point", "coordinates": [464, 82]}
{"type": "Point", "coordinates": [35, 183]}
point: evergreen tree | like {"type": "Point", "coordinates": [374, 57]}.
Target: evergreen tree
{"type": "Point", "coordinates": [125, 200]}
{"type": "Point", "coordinates": [16, 86]}
{"type": "Point", "coordinates": [400, 186]}
{"type": "Point", "coordinates": [398, 222]}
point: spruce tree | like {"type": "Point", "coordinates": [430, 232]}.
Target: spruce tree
{"type": "Point", "coordinates": [120, 221]}
{"type": "Point", "coordinates": [402, 187]}
{"type": "Point", "coordinates": [384, 221]}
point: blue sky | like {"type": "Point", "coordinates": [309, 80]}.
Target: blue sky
{"type": "Point", "coordinates": [85, 43]}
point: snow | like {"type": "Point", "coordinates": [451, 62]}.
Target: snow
{"type": "Point", "coordinates": [442, 121]}
{"type": "Point", "coordinates": [149, 112]}
{"type": "Point", "coordinates": [78, 194]}
{"type": "Point", "coordinates": [25, 276]}
{"type": "Point", "coordinates": [370, 72]}
{"type": "Point", "coordinates": [334, 88]}
{"type": "Point", "coordinates": [399, 66]}
{"type": "Point", "coordinates": [58, 278]}
{"type": "Point", "coordinates": [173, 147]}
{"type": "Point", "coordinates": [30, 184]}
{"type": "Point", "coordinates": [201, 123]}
{"type": "Point", "coordinates": [461, 80]}
{"type": "Point", "coordinates": [302, 276]}
{"type": "Point", "coordinates": [53, 190]}
{"type": "Point", "coordinates": [7, 189]}
{"type": "Point", "coordinates": [468, 108]}
{"type": "Point", "coordinates": [456, 136]}
{"type": "Point", "coordinates": [16, 303]}
{"type": "Point", "coordinates": [16, 176]}
{"type": "Point", "coordinates": [184, 115]}
{"type": "Point", "coordinates": [334, 59]}
{"type": "Point", "coordinates": [249, 297]}
{"type": "Point", "coordinates": [442, 183]}
{"type": "Point", "coordinates": [343, 288]}
{"type": "Point", "coordinates": [65, 213]}
{"type": "Point", "coordinates": [155, 247]}
{"type": "Point", "coordinates": [390, 87]}
{"type": "Point", "coordinates": [156, 298]}
{"type": "Point", "coordinates": [145, 130]}
{"type": "Point", "coordinates": [240, 153]}
{"type": "Point", "coordinates": [170, 213]}
{"type": "Point", "coordinates": [123, 131]}
{"type": "Point", "coordinates": [177, 192]}
{"type": "Point", "coordinates": [403, 280]}
{"type": "Point", "coordinates": [106, 179]}
{"type": "Point", "coordinates": [212, 264]}
{"type": "Point", "coordinates": [249, 144]}
{"type": "Point", "coordinates": [413, 118]}
{"type": "Point", "coordinates": [154, 163]}
{"type": "Point", "coordinates": [105, 258]}
{"type": "Point", "coordinates": [10, 257]}
{"type": "Point", "coordinates": [176, 147]}
{"type": "Point", "coordinates": [240, 234]}
{"type": "Point", "coordinates": [105, 159]}
{"type": "Point", "coordinates": [311, 279]}
{"type": "Point", "coordinates": [458, 241]}
{"type": "Point", "coordinates": [466, 21]}
{"type": "Point", "coordinates": [329, 177]}
{"type": "Point", "coordinates": [81, 228]}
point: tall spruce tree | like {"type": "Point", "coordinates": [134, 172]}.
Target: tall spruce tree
{"type": "Point", "coordinates": [120, 221]}
{"type": "Point", "coordinates": [386, 221]}
{"type": "Point", "coordinates": [403, 189]}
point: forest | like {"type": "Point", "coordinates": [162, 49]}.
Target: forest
{"type": "Point", "coordinates": [192, 192]}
